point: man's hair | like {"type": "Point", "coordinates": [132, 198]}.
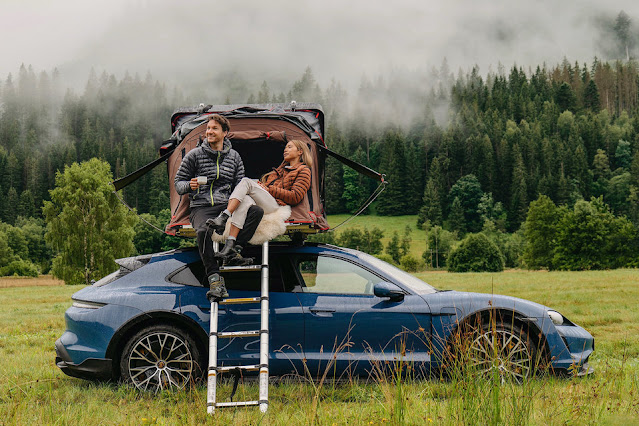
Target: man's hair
{"type": "Point", "coordinates": [221, 120]}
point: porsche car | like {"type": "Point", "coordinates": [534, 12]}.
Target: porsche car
{"type": "Point", "coordinates": [330, 307]}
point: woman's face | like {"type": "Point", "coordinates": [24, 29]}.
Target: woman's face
{"type": "Point", "coordinates": [291, 152]}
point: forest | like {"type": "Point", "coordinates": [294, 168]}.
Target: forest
{"type": "Point", "coordinates": [465, 152]}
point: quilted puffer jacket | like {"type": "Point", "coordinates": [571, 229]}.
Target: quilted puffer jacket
{"type": "Point", "coordinates": [224, 169]}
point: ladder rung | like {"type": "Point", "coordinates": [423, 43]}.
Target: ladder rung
{"type": "Point", "coordinates": [239, 367]}
{"type": "Point", "coordinates": [248, 333]}
{"type": "Point", "coordinates": [239, 300]}
{"type": "Point", "coordinates": [240, 268]}
{"type": "Point", "coordinates": [236, 404]}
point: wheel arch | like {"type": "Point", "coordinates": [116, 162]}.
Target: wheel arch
{"type": "Point", "coordinates": [135, 324]}
{"type": "Point", "coordinates": [511, 316]}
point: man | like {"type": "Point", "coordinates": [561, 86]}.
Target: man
{"type": "Point", "coordinates": [209, 173]}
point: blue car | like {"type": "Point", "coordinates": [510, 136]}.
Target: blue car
{"type": "Point", "coordinates": [330, 307]}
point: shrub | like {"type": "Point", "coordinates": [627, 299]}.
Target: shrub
{"type": "Point", "coordinates": [366, 241]}
{"type": "Point", "coordinates": [386, 258]}
{"type": "Point", "coordinates": [22, 268]}
{"type": "Point", "coordinates": [410, 263]}
{"type": "Point", "coordinates": [476, 253]}
{"type": "Point", "coordinates": [440, 243]}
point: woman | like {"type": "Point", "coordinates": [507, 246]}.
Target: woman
{"type": "Point", "coordinates": [287, 184]}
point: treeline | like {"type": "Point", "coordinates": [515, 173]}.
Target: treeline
{"type": "Point", "coordinates": [459, 151]}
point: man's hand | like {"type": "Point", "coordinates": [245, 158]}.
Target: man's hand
{"type": "Point", "coordinates": [193, 184]}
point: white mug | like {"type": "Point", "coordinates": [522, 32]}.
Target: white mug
{"type": "Point", "coordinates": [201, 180]}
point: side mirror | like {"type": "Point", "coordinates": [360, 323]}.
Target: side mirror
{"type": "Point", "coordinates": [385, 289]}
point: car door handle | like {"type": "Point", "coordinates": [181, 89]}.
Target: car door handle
{"type": "Point", "coordinates": [322, 312]}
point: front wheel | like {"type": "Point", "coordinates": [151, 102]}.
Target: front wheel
{"type": "Point", "coordinates": [502, 349]}
{"type": "Point", "coordinates": [160, 357]}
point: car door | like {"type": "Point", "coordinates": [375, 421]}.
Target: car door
{"type": "Point", "coordinates": [346, 324]}
{"type": "Point", "coordinates": [286, 324]}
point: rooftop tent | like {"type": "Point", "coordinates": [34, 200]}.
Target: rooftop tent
{"type": "Point", "coordinates": [258, 133]}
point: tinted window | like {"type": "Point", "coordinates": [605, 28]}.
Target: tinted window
{"type": "Point", "coordinates": [332, 275]}
{"type": "Point", "coordinates": [193, 274]}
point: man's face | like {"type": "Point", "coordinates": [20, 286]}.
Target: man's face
{"type": "Point", "coordinates": [214, 133]}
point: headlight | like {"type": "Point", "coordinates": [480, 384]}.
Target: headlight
{"type": "Point", "coordinates": [556, 317]}
{"type": "Point", "coordinates": [82, 304]}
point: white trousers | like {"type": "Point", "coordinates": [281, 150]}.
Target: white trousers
{"type": "Point", "coordinates": [249, 192]}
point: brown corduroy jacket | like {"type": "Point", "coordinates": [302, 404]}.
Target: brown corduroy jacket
{"type": "Point", "coordinates": [288, 185]}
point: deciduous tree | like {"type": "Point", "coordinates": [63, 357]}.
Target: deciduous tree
{"type": "Point", "coordinates": [87, 227]}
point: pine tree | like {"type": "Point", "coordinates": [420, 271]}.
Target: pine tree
{"type": "Point", "coordinates": [393, 248]}
{"type": "Point", "coordinates": [591, 97]}
{"type": "Point", "coordinates": [394, 200]}
{"type": "Point", "coordinates": [519, 191]}
{"type": "Point", "coordinates": [456, 217]}
{"type": "Point", "coordinates": [355, 188]}
{"type": "Point", "coordinates": [431, 209]}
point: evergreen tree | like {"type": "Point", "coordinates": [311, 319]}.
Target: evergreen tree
{"type": "Point", "coordinates": [355, 188]}
{"type": "Point", "coordinates": [623, 155]}
{"type": "Point", "coordinates": [468, 191]}
{"type": "Point", "coordinates": [404, 247]}
{"type": "Point", "coordinates": [431, 209]}
{"type": "Point", "coordinates": [565, 98]}
{"type": "Point", "coordinates": [393, 248]}
{"type": "Point", "coordinates": [591, 97]}
{"type": "Point", "coordinates": [456, 217]}
{"type": "Point", "coordinates": [519, 192]}
{"type": "Point", "coordinates": [394, 201]}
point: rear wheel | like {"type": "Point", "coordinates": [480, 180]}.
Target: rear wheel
{"type": "Point", "coordinates": [502, 349]}
{"type": "Point", "coordinates": [160, 357]}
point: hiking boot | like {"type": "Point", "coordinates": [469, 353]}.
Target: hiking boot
{"type": "Point", "coordinates": [219, 223]}
{"type": "Point", "coordinates": [227, 250]}
{"type": "Point", "coordinates": [218, 289]}
{"type": "Point", "coordinates": [236, 259]}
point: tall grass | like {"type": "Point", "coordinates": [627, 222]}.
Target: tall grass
{"type": "Point", "coordinates": [34, 391]}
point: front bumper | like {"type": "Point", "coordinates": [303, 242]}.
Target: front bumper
{"type": "Point", "coordinates": [89, 369]}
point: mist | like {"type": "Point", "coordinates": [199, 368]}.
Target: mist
{"type": "Point", "coordinates": [191, 43]}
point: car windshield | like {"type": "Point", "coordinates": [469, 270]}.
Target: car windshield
{"type": "Point", "coordinates": [415, 284]}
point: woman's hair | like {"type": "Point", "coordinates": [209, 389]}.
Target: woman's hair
{"type": "Point", "coordinates": [306, 152]}
{"type": "Point", "coordinates": [306, 156]}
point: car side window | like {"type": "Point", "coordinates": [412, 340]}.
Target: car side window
{"type": "Point", "coordinates": [325, 274]}
{"type": "Point", "coordinates": [193, 274]}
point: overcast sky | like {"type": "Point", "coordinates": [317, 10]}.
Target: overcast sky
{"type": "Point", "coordinates": [191, 40]}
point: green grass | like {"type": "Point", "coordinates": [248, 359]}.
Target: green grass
{"type": "Point", "coordinates": [388, 224]}
{"type": "Point", "coordinates": [34, 391]}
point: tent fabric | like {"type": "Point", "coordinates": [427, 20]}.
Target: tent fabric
{"type": "Point", "coordinates": [260, 140]}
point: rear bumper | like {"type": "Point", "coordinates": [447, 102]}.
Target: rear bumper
{"type": "Point", "coordinates": [89, 369]}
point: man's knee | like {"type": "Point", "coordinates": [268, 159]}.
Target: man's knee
{"type": "Point", "coordinates": [255, 212]}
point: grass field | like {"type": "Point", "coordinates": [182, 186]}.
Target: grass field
{"type": "Point", "coordinates": [34, 391]}
{"type": "Point", "coordinates": [389, 225]}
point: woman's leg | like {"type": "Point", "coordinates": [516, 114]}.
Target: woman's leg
{"type": "Point", "coordinates": [239, 193]}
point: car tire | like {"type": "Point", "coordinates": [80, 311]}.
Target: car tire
{"type": "Point", "coordinates": [160, 357]}
{"type": "Point", "coordinates": [502, 350]}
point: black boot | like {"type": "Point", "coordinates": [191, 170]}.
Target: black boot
{"type": "Point", "coordinates": [227, 250]}
{"type": "Point", "coordinates": [236, 259]}
{"type": "Point", "coordinates": [219, 223]}
{"type": "Point", "coordinates": [218, 289]}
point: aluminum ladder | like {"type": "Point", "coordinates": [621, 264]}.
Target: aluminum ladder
{"type": "Point", "coordinates": [263, 332]}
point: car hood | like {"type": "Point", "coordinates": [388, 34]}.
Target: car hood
{"type": "Point", "coordinates": [463, 304]}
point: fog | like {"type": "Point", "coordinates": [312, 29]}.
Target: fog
{"type": "Point", "coordinates": [190, 42]}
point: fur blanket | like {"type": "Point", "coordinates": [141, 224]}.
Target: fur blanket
{"type": "Point", "coordinates": [271, 226]}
